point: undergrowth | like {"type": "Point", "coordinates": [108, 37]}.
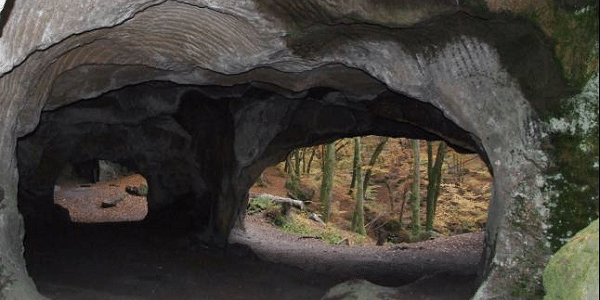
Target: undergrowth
{"type": "Point", "coordinates": [299, 224]}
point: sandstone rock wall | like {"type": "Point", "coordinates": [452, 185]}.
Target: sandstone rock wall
{"type": "Point", "coordinates": [432, 70]}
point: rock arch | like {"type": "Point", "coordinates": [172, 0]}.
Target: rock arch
{"type": "Point", "coordinates": [430, 70]}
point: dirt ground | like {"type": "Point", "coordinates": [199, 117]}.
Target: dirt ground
{"type": "Point", "coordinates": [122, 260]}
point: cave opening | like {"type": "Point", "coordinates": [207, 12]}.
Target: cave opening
{"type": "Point", "coordinates": [101, 191]}
{"type": "Point", "coordinates": [463, 191]}
{"type": "Point", "coordinates": [200, 149]}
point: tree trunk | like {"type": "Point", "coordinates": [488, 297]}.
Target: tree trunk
{"type": "Point", "coordinates": [310, 160]}
{"type": "Point", "coordinates": [327, 180]}
{"type": "Point", "coordinates": [293, 184]}
{"type": "Point", "coordinates": [429, 158]}
{"type": "Point", "coordinates": [297, 164]}
{"type": "Point", "coordinates": [358, 218]}
{"type": "Point", "coordinates": [403, 198]}
{"type": "Point", "coordinates": [390, 195]}
{"type": "Point", "coordinates": [288, 164]}
{"type": "Point", "coordinates": [433, 188]}
{"type": "Point", "coordinates": [355, 162]}
{"type": "Point", "coordinates": [304, 160]}
{"type": "Point", "coordinates": [415, 203]}
{"type": "Point", "coordinates": [376, 152]}
{"type": "Point", "coordinates": [296, 203]}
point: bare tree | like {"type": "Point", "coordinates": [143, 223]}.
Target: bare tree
{"type": "Point", "coordinates": [355, 162]}
{"type": "Point", "coordinates": [327, 180]}
{"type": "Point", "coordinates": [293, 184]}
{"type": "Point", "coordinates": [382, 141]}
{"type": "Point", "coordinates": [310, 160]}
{"type": "Point", "coordinates": [358, 218]}
{"type": "Point", "coordinates": [415, 203]}
{"type": "Point", "coordinates": [434, 173]}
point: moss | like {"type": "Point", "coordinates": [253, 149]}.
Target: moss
{"type": "Point", "coordinates": [574, 47]}
{"type": "Point", "coordinates": [522, 288]}
{"type": "Point", "coordinates": [573, 271]}
{"type": "Point", "coordinates": [574, 30]}
{"type": "Point", "coordinates": [144, 190]}
{"type": "Point", "coordinates": [260, 204]}
{"type": "Point", "coordinates": [526, 219]}
{"type": "Point", "coordinates": [572, 182]}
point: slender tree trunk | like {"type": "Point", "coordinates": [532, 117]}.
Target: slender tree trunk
{"type": "Point", "coordinates": [327, 181]}
{"type": "Point", "coordinates": [303, 159]}
{"type": "Point", "coordinates": [323, 156]}
{"type": "Point", "coordinates": [293, 184]}
{"type": "Point", "coordinates": [358, 218]}
{"type": "Point", "coordinates": [355, 163]}
{"type": "Point", "coordinates": [288, 164]}
{"type": "Point", "coordinates": [310, 160]}
{"type": "Point", "coordinates": [297, 163]}
{"type": "Point", "coordinates": [403, 198]}
{"type": "Point", "coordinates": [433, 188]}
{"type": "Point", "coordinates": [429, 158]}
{"type": "Point", "coordinates": [372, 161]}
{"type": "Point", "coordinates": [390, 195]}
{"type": "Point", "coordinates": [415, 203]}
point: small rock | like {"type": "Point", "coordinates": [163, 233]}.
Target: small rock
{"type": "Point", "coordinates": [137, 191]}
{"type": "Point", "coordinates": [112, 202]}
{"type": "Point", "coordinates": [316, 218]}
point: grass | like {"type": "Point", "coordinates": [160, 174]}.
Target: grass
{"type": "Point", "coordinates": [260, 204]}
{"type": "Point", "coordinates": [300, 224]}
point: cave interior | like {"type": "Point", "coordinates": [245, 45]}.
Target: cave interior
{"type": "Point", "coordinates": [200, 149]}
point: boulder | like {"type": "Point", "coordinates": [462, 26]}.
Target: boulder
{"type": "Point", "coordinates": [361, 290]}
{"type": "Point", "coordinates": [572, 272]}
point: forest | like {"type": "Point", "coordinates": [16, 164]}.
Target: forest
{"type": "Point", "coordinates": [407, 191]}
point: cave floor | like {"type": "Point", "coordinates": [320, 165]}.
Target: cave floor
{"type": "Point", "coordinates": [124, 261]}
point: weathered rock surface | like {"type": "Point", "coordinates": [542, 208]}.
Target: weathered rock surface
{"type": "Point", "coordinates": [201, 96]}
{"type": "Point", "coordinates": [431, 287]}
{"type": "Point", "coordinates": [361, 290]}
{"type": "Point", "coordinates": [572, 273]}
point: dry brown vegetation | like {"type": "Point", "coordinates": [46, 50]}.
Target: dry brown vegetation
{"type": "Point", "coordinates": [462, 206]}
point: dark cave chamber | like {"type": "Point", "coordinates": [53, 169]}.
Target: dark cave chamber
{"type": "Point", "coordinates": [200, 149]}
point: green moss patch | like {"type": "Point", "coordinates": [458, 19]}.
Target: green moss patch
{"type": "Point", "coordinates": [573, 271]}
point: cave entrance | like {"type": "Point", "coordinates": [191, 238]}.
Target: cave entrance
{"type": "Point", "coordinates": [387, 164]}
{"type": "Point", "coordinates": [101, 191]}
{"type": "Point", "coordinates": [300, 238]}
{"type": "Point", "coordinates": [200, 148]}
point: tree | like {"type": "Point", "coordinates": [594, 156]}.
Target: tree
{"type": "Point", "coordinates": [434, 174]}
{"type": "Point", "coordinates": [327, 180]}
{"type": "Point", "coordinates": [376, 152]}
{"type": "Point", "coordinates": [415, 203]}
{"type": "Point", "coordinates": [293, 184]}
{"type": "Point", "coordinates": [358, 218]}
{"type": "Point", "coordinates": [310, 160]}
{"type": "Point", "coordinates": [355, 162]}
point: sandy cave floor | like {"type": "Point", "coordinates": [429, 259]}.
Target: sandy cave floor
{"type": "Point", "coordinates": [124, 261]}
